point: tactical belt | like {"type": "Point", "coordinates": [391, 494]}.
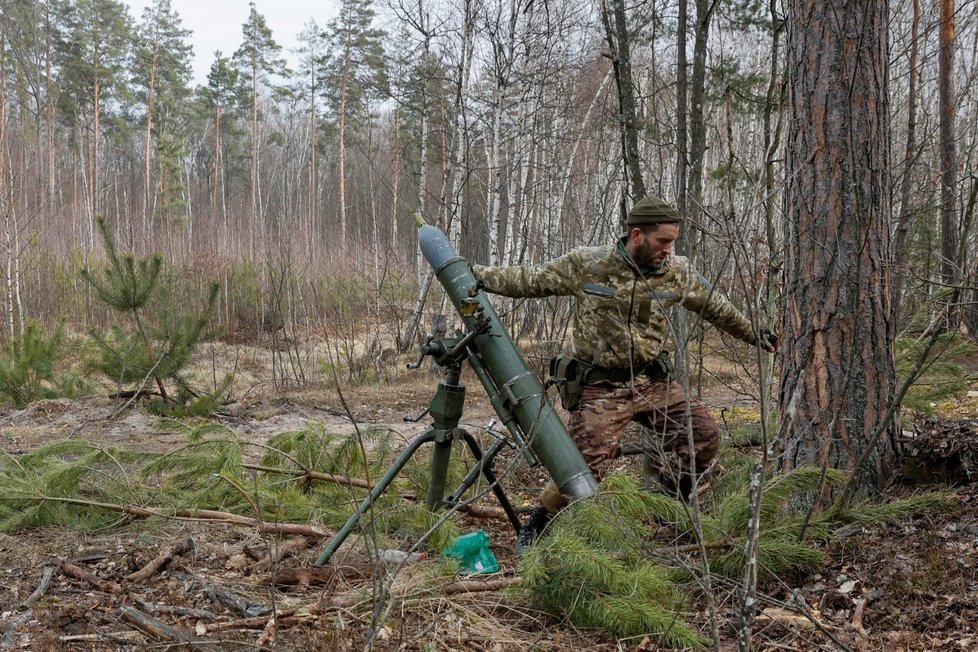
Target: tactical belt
{"type": "Point", "coordinates": [656, 370]}
{"type": "Point", "coordinates": [571, 374]}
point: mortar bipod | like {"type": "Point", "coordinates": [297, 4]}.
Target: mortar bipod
{"type": "Point", "coordinates": [446, 411]}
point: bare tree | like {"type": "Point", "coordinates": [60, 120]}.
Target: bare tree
{"type": "Point", "coordinates": [949, 225]}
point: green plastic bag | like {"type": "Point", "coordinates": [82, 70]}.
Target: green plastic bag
{"type": "Point", "coordinates": [472, 551]}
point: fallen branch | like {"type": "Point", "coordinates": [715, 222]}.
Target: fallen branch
{"type": "Point", "coordinates": [305, 577]}
{"type": "Point", "coordinates": [161, 560]}
{"type": "Point", "coordinates": [270, 633]}
{"type": "Point", "coordinates": [10, 633]}
{"type": "Point", "coordinates": [788, 618]}
{"type": "Point", "coordinates": [277, 552]}
{"type": "Point", "coordinates": [712, 545]}
{"type": "Point", "coordinates": [206, 515]}
{"type": "Point", "coordinates": [79, 573]}
{"type": "Point", "coordinates": [164, 632]}
{"type": "Point", "coordinates": [480, 586]}
{"type": "Point", "coordinates": [857, 617]}
{"type": "Point", "coordinates": [484, 511]}
{"type": "Point", "coordinates": [183, 612]}
{"type": "Point", "coordinates": [128, 637]}
{"type": "Point", "coordinates": [237, 603]}
{"type": "Point", "coordinates": [41, 589]}
{"type": "Point", "coordinates": [309, 474]}
{"type": "Point", "coordinates": [256, 621]}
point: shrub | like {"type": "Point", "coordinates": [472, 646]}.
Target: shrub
{"type": "Point", "coordinates": [27, 367]}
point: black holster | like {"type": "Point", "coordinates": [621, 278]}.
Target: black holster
{"type": "Point", "coordinates": [567, 373]}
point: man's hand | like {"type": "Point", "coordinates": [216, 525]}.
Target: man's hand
{"type": "Point", "coordinates": [767, 340]}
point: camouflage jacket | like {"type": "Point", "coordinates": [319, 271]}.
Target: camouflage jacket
{"type": "Point", "coordinates": [630, 327]}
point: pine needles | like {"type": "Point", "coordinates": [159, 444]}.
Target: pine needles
{"type": "Point", "coordinates": [27, 367]}
{"type": "Point", "coordinates": [942, 376]}
{"type": "Point", "coordinates": [595, 563]}
{"type": "Point", "coordinates": [74, 484]}
{"type": "Point", "coordinates": [592, 568]}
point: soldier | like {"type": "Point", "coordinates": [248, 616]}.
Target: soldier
{"type": "Point", "coordinates": [620, 369]}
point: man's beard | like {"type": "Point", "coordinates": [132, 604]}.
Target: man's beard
{"type": "Point", "coordinates": [644, 258]}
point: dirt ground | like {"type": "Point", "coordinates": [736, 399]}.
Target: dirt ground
{"type": "Point", "coordinates": [911, 585]}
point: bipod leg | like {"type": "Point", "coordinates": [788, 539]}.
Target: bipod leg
{"type": "Point", "coordinates": [483, 466]}
{"type": "Point", "coordinates": [438, 471]}
{"type": "Point", "coordinates": [412, 448]}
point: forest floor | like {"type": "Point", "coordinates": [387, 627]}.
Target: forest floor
{"type": "Point", "coordinates": [909, 585]}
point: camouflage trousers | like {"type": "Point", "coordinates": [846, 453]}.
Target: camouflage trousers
{"type": "Point", "coordinates": [662, 407]}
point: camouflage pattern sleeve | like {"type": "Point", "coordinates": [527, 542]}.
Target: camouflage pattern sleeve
{"type": "Point", "coordinates": [561, 276]}
{"type": "Point", "coordinates": [705, 300]}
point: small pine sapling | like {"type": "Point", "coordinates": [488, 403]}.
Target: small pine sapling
{"type": "Point", "coordinates": [28, 367]}
{"type": "Point", "coordinates": [161, 337]}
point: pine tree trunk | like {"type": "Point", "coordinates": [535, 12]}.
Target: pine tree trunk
{"type": "Point", "coordinates": [838, 374]}
{"type": "Point", "coordinates": [460, 153]}
{"type": "Point", "coordinates": [49, 126]}
{"type": "Point", "coordinates": [949, 224]}
{"type": "Point", "coordinates": [147, 152]}
{"type": "Point", "coordinates": [313, 170]}
{"type": "Point", "coordinates": [341, 154]}
{"type": "Point", "coordinates": [94, 149]}
{"type": "Point", "coordinates": [396, 180]}
{"type": "Point", "coordinates": [254, 156]}
{"type": "Point", "coordinates": [217, 202]}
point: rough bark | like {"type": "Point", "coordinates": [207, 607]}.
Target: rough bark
{"type": "Point", "coordinates": [838, 374]}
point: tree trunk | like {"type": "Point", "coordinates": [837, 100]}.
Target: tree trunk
{"type": "Point", "coordinates": [682, 134]}
{"type": "Point", "coordinates": [48, 94]}
{"type": "Point", "coordinates": [496, 171]}
{"type": "Point", "coordinates": [217, 194]}
{"type": "Point", "coordinates": [313, 170]}
{"type": "Point", "coordinates": [341, 154]}
{"type": "Point", "coordinates": [148, 149]}
{"type": "Point", "coordinates": [94, 149]}
{"type": "Point", "coordinates": [697, 123]}
{"type": "Point", "coordinates": [6, 193]}
{"type": "Point", "coordinates": [396, 181]}
{"type": "Point", "coordinates": [424, 274]}
{"type": "Point", "coordinates": [255, 235]}
{"type": "Point", "coordinates": [910, 154]}
{"type": "Point", "coordinates": [619, 41]}
{"type": "Point", "coordinates": [838, 375]}
{"type": "Point", "coordinates": [949, 225]}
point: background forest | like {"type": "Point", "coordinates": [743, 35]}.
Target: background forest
{"type": "Point", "coordinates": [498, 121]}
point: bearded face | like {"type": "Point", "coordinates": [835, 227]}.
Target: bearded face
{"type": "Point", "coordinates": [651, 249]}
{"type": "Point", "coordinates": [644, 257]}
